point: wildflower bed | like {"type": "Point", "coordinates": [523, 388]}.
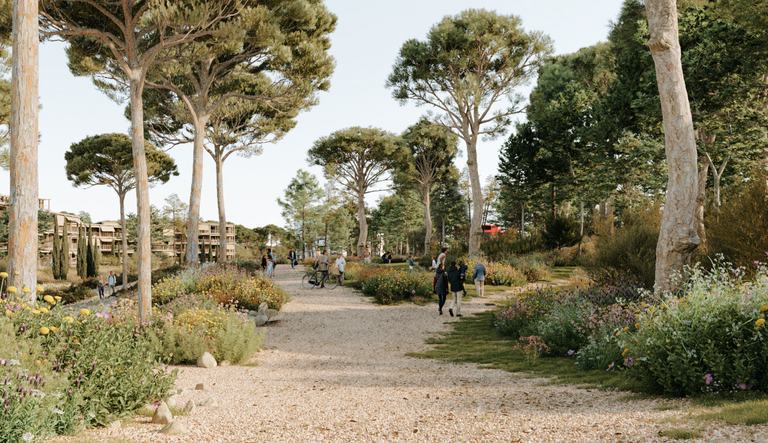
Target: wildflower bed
{"type": "Point", "coordinates": [709, 338]}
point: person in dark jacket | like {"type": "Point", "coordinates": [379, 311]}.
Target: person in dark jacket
{"type": "Point", "coordinates": [463, 271]}
{"type": "Point", "coordinates": [440, 287]}
{"type": "Point", "coordinates": [457, 287]}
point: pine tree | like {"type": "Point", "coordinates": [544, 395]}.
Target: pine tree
{"type": "Point", "coordinates": [82, 269]}
{"type": "Point", "coordinates": [96, 258]}
{"type": "Point", "coordinates": [56, 252]}
{"type": "Point", "coordinates": [64, 255]}
{"type": "Point", "coordinates": [202, 251]}
{"type": "Point", "coordinates": [210, 252]}
{"type": "Point", "coordinates": [90, 260]}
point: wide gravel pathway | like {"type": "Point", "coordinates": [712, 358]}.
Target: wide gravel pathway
{"type": "Point", "coordinates": [335, 370]}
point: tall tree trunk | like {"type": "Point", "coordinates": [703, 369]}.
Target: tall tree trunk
{"type": "Point", "coordinates": [222, 212]}
{"type": "Point", "coordinates": [701, 200]}
{"type": "Point", "coordinates": [581, 222]}
{"type": "Point", "coordinates": [427, 223]}
{"type": "Point", "coordinates": [144, 250]}
{"type": "Point", "coordinates": [677, 236]}
{"type": "Point", "coordinates": [475, 226]}
{"type": "Point", "coordinates": [124, 252]}
{"type": "Point", "coordinates": [717, 174]}
{"type": "Point", "coordinates": [522, 220]}
{"type": "Point", "coordinates": [363, 239]}
{"type": "Point", "coordinates": [22, 220]}
{"type": "Point", "coordinates": [196, 192]}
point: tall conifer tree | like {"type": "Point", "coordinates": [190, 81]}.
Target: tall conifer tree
{"type": "Point", "coordinates": [55, 253]}
{"type": "Point", "coordinates": [64, 253]}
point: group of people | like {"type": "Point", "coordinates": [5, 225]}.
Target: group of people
{"type": "Point", "coordinates": [268, 263]}
{"type": "Point", "coordinates": [323, 264]}
{"type": "Point", "coordinates": [452, 281]}
{"type": "Point", "coordinates": [110, 282]}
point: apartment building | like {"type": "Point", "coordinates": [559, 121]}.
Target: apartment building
{"type": "Point", "coordinates": [107, 235]}
{"type": "Point", "coordinates": [208, 235]}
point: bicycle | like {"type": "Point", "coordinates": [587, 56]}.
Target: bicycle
{"type": "Point", "coordinates": [314, 279]}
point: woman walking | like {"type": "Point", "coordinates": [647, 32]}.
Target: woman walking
{"type": "Point", "coordinates": [100, 286]}
{"type": "Point", "coordinates": [340, 265]}
{"type": "Point", "coordinates": [440, 287]}
{"type": "Point", "coordinates": [457, 288]}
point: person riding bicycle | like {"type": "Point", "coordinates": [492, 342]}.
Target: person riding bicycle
{"type": "Point", "coordinates": [321, 266]}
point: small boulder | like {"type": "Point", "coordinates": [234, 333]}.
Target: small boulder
{"type": "Point", "coordinates": [174, 428]}
{"type": "Point", "coordinates": [202, 387]}
{"type": "Point", "coordinates": [253, 313]}
{"type": "Point", "coordinates": [261, 320]}
{"type": "Point", "coordinates": [190, 407]}
{"type": "Point", "coordinates": [206, 361]}
{"type": "Point", "coordinates": [115, 425]}
{"type": "Point", "coordinates": [170, 401]}
{"type": "Point", "coordinates": [162, 415]}
{"type": "Point", "coordinates": [209, 403]}
{"type": "Point", "coordinates": [263, 307]}
{"type": "Point", "coordinates": [271, 313]}
{"type": "Point", "coordinates": [224, 363]}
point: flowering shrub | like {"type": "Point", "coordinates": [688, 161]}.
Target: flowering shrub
{"type": "Point", "coordinates": [566, 319]}
{"type": "Point", "coordinates": [532, 347]}
{"type": "Point", "coordinates": [496, 273]}
{"type": "Point", "coordinates": [710, 338]}
{"type": "Point", "coordinates": [389, 286]}
{"type": "Point", "coordinates": [533, 266]}
{"type": "Point", "coordinates": [86, 369]}
{"type": "Point", "coordinates": [227, 284]}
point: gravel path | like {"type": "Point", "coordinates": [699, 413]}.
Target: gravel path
{"type": "Point", "coordinates": [334, 371]}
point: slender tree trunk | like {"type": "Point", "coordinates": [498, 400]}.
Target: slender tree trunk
{"type": "Point", "coordinates": [222, 212]}
{"type": "Point", "coordinates": [363, 239]}
{"type": "Point", "coordinates": [677, 236]}
{"type": "Point", "coordinates": [124, 252]}
{"type": "Point", "coordinates": [717, 174]}
{"type": "Point", "coordinates": [581, 222]}
{"type": "Point", "coordinates": [144, 249]}
{"type": "Point", "coordinates": [22, 220]}
{"type": "Point", "coordinates": [196, 192]}
{"type": "Point", "coordinates": [522, 220]}
{"type": "Point", "coordinates": [701, 200]}
{"type": "Point", "coordinates": [427, 223]}
{"type": "Point", "coordinates": [475, 226]}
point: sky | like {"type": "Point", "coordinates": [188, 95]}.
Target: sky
{"type": "Point", "coordinates": [365, 44]}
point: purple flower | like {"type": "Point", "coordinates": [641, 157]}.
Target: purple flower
{"type": "Point", "coordinates": [413, 291]}
{"type": "Point", "coordinates": [609, 367]}
{"type": "Point", "coordinates": [708, 379]}
{"type": "Point", "coordinates": [742, 386]}
{"type": "Point", "coordinates": [571, 352]}
{"type": "Point", "coordinates": [629, 361]}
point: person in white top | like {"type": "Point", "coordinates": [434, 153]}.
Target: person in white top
{"type": "Point", "coordinates": [340, 264]}
{"type": "Point", "coordinates": [441, 258]}
{"type": "Point", "coordinates": [434, 264]}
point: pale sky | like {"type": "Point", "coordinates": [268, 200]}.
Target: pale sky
{"type": "Point", "coordinates": [365, 44]}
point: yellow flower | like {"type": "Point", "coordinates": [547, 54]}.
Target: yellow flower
{"type": "Point", "coordinates": [39, 289]}
{"type": "Point", "coordinates": [763, 308]}
{"type": "Point", "coordinates": [44, 310]}
{"type": "Point", "coordinates": [36, 311]}
{"type": "Point", "coordinates": [8, 312]}
{"type": "Point", "coordinates": [625, 352]}
{"type": "Point", "coordinates": [26, 290]}
{"type": "Point", "coordinates": [54, 329]}
{"type": "Point", "coordinates": [17, 273]}
{"type": "Point", "coordinates": [68, 319]}
{"type": "Point", "coordinates": [49, 299]}
{"type": "Point", "coordinates": [4, 274]}
{"type": "Point", "coordinates": [12, 289]}
{"type": "Point", "coordinates": [58, 298]}
{"type": "Point", "coordinates": [44, 330]}
{"type": "Point", "coordinates": [759, 322]}
{"type": "Point", "coordinates": [84, 312]}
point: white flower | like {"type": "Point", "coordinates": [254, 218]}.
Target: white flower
{"type": "Point", "coordinates": [92, 415]}
{"type": "Point", "coordinates": [57, 394]}
{"type": "Point", "coordinates": [58, 411]}
{"type": "Point", "coordinates": [28, 436]}
{"type": "Point", "coordinates": [13, 362]}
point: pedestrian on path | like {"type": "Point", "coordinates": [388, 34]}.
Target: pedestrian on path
{"type": "Point", "coordinates": [264, 264]}
{"type": "Point", "coordinates": [111, 282]}
{"type": "Point", "coordinates": [457, 287]}
{"type": "Point", "coordinates": [411, 264]}
{"type": "Point", "coordinates": [321, 266]}
{"type": "Point", "coordinates": [367, 256]}
{"type": "Point", "coordinates": [440, 287]}
{"type": "Point", "coordinates": [463, 271]}
{"type": "Point", "coordinates": [100, 286]}
{"type": "Point", "coordinates": [434, 264]}
{"type": "Point", "coordinates": [441, 258]}
{"type": "Point", "coordinates": [479, 277]}
{"type": "Point", "coordinates": [340, 265]}
{"type": "Point", "coordinates": [271, 262]}
{"type": "Point", "coordinates": [292, 258]}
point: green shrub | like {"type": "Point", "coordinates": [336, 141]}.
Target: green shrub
{"type": "Point", "coordinates": [631, 252]}
{"type": "Point", "coordinates": [740, 231]}
{"type": "Point", "coordinates": [712, 339]}
{"type": "Point", "coordinates": [559, 232]}
{"type": "Point", "coordinates": [601, 352]}
{"type": "Point", "coordinates": [531, 265]}
{"type": "Point", "coordinates": [390, 286]}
